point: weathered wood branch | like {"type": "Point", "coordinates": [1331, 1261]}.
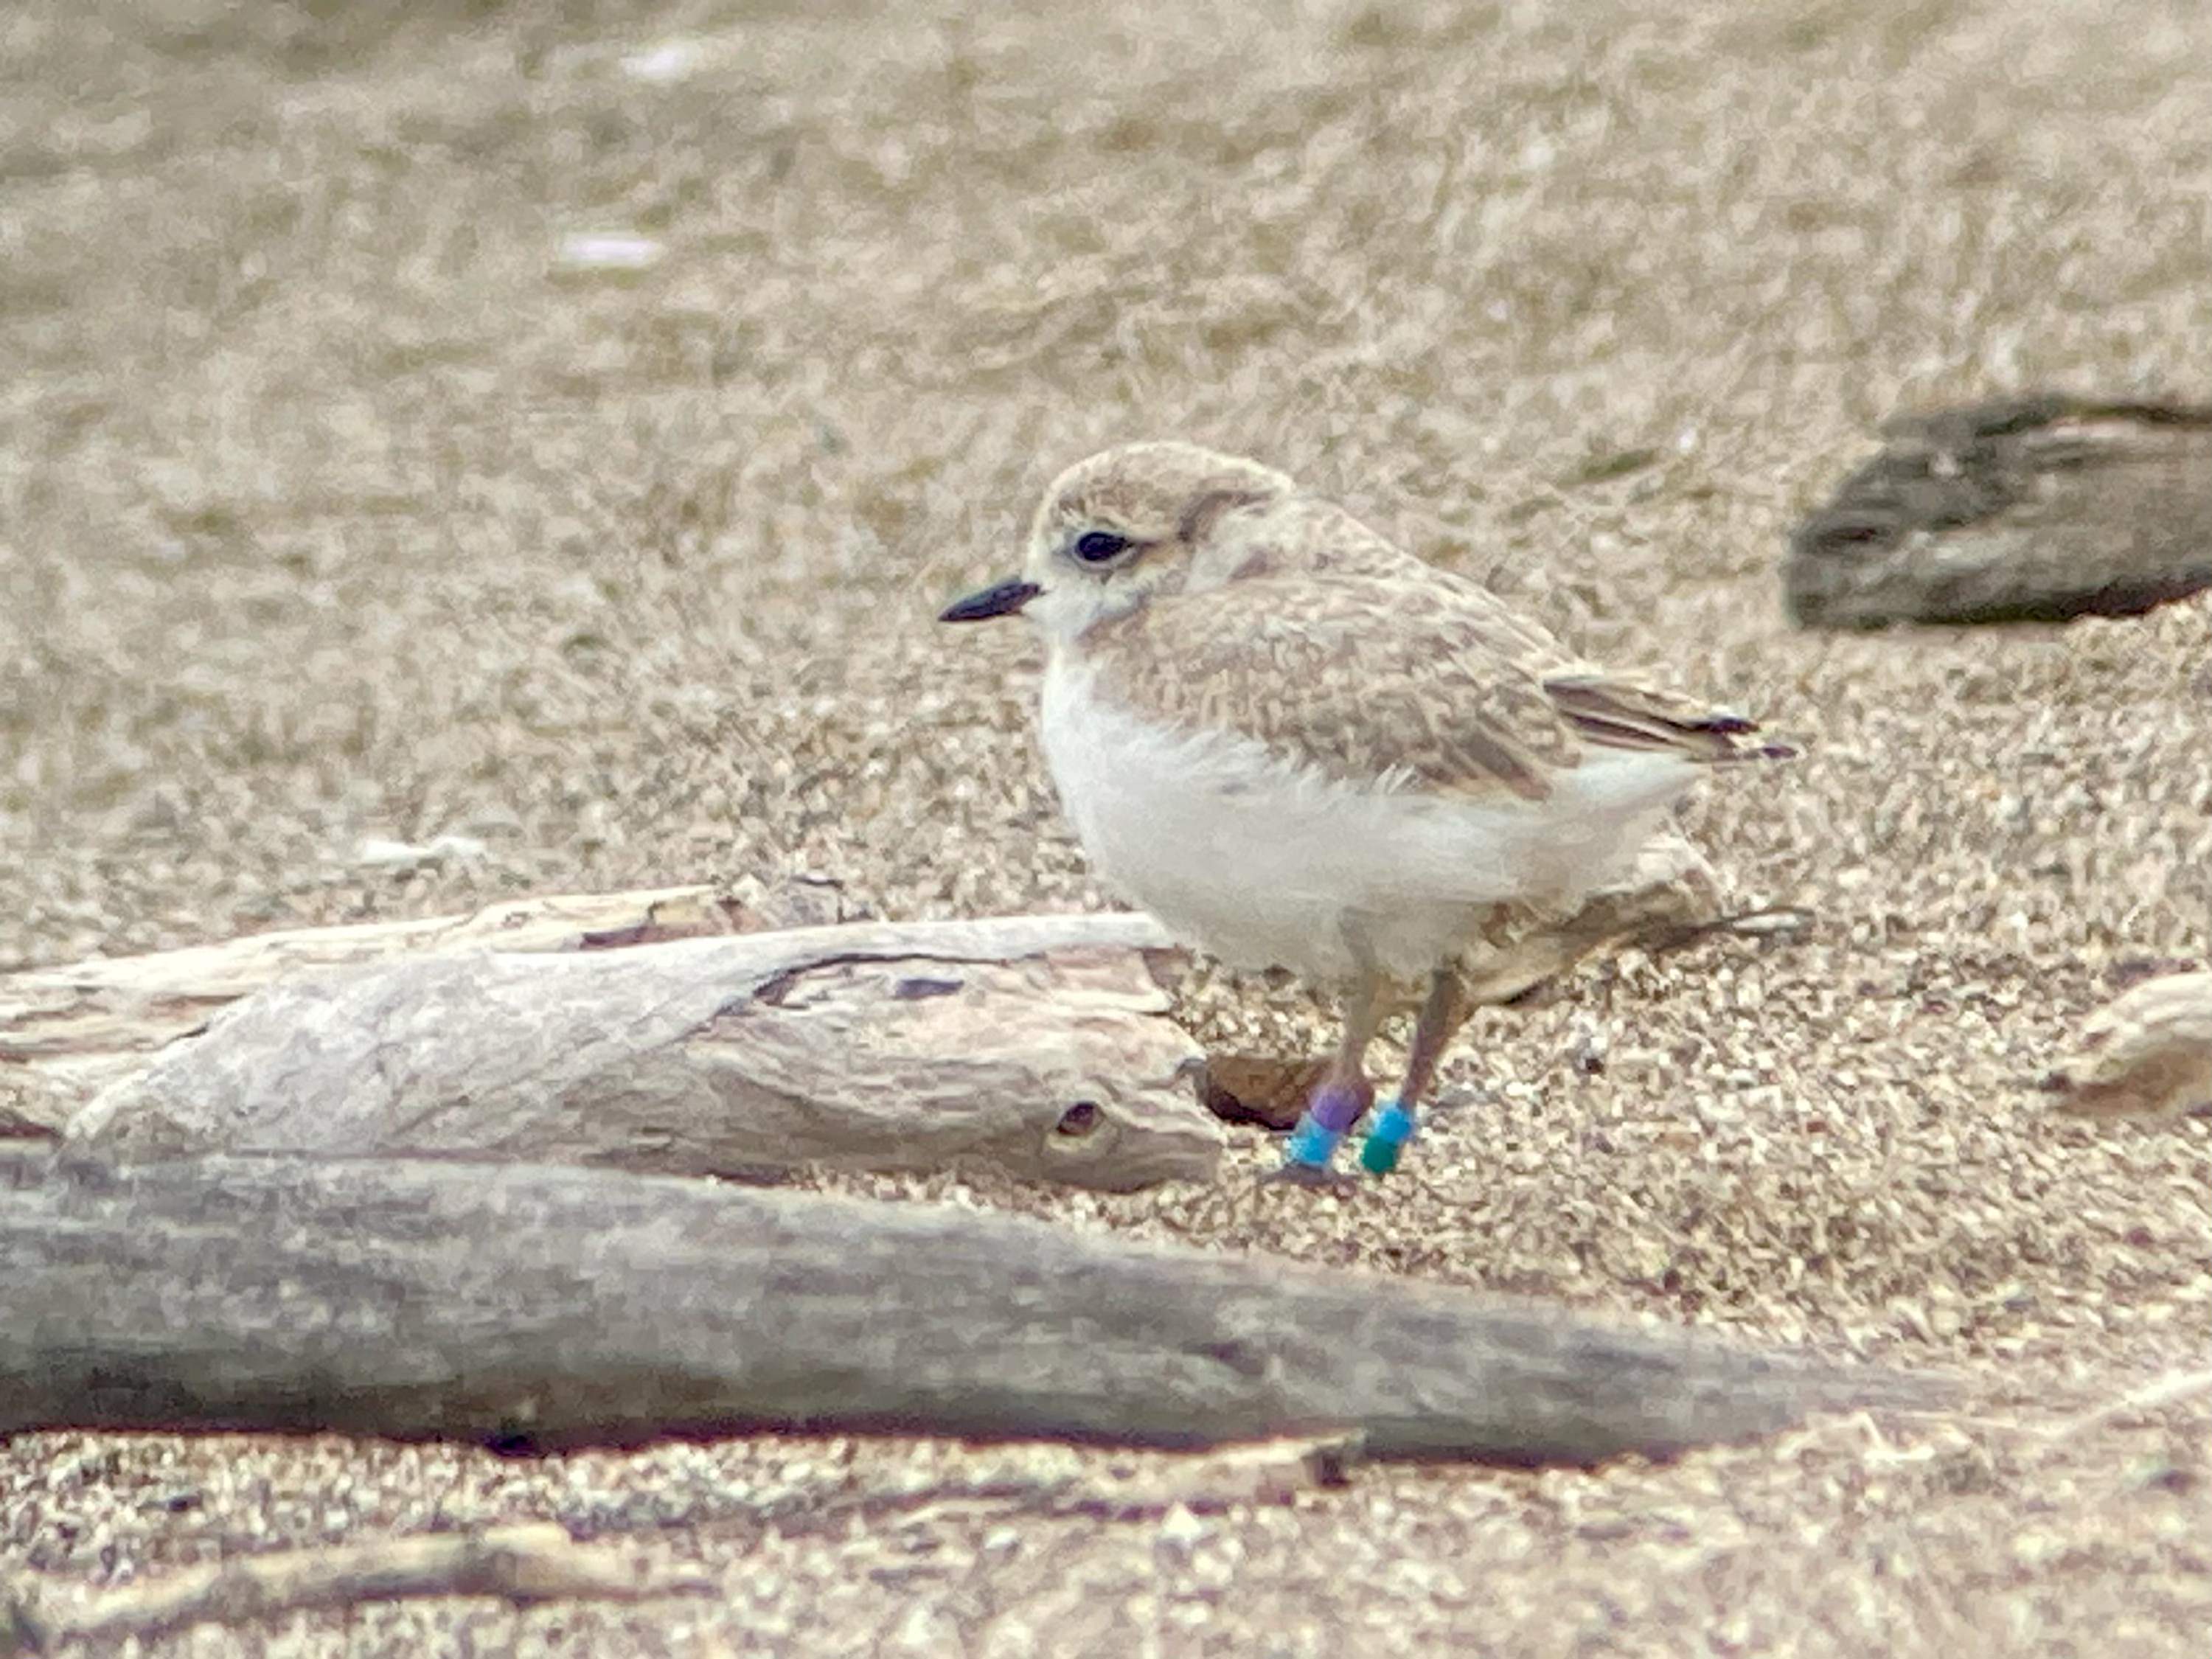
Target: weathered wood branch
{"type": "Point", "coordinates": [1020, 1062]}
{"type": "Point", "coordinates": [1037, 1045]}
{"type": "Point", "coordinates": [1670, 893]}
{"type": "Point", "coordinates": [519, 1563]}
{"type": "Point", "coordinates": [557, 1306]}
{"type": "Point", "coordinates": [539, 1562]}
{"type": "Point", "coordinates": [2030, 509]}
{"type": "Point", "coordinates": [67, 1032]}
{"type": "Point", "coordinates": [2146, 1055]}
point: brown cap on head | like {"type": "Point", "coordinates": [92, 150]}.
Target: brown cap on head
{"type": "Point", "coordinates": [1154, 491]}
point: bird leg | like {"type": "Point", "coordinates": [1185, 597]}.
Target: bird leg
{"type": "Point", "coordinates": [1343, 1093]}
{"type": "Point", "coordinates": [1441, 1016]}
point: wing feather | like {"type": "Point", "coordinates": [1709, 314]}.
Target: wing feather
{"type": "Point", "coordinates": [1422, 677]}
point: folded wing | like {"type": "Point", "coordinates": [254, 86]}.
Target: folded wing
{"type": "Point", "coordinates": [1426, 681]}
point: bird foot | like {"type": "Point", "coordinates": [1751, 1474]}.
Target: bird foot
{"type": "Point", "coordinates": [1313, 1144]}
{"type": "Point", "coordinates": [1314, 1177]}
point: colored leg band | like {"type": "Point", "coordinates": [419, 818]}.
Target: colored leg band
{"type": "Point", "coordinates": [1336, 1108]}
{"type": "Point", "coordinates": [1392, 1129]}
{"type": "Point", "coordinates": [1311, 1143]}
{"type": "Point", "coordinates": [1333, 1111]}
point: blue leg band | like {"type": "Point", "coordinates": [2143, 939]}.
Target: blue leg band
{"type": "Point", "coordinates": [1311, 1143]}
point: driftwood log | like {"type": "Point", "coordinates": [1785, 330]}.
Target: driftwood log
{"type": "Point", "coordinates": [535, 1307]}
{"type": "Point", "coordinates": [2146, 1055]}
{"type": "Point", "coordinates": [2032, 509]}
{"type": "Point", "coordinates": [179, 1073]}
{"type": "Point", "coordinates": [67, 1032]}
{"type": "Point", "coordinates": [1036, 1046]}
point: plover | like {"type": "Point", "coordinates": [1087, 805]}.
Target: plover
{"type": "Point", "coordinates": [1299, 746]}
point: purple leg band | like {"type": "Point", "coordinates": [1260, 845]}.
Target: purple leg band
{"type": "Point", "coordinates": [1336, 1108]}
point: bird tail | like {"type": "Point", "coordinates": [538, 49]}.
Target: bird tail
{"type": "Point", "coordinates": [1626, 714]}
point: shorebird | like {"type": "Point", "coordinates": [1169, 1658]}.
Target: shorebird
{"type": "Point", "coordinates": [1299, 746]}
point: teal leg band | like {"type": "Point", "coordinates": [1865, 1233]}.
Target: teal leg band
{"type": "Point", "coordinates": [1392, 1129]}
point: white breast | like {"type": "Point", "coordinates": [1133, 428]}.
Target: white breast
{"type": "Point", "coordinates": [1266, 865]}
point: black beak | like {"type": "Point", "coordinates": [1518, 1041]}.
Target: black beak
{"type": "Point", "coordinates": [1002, 600]}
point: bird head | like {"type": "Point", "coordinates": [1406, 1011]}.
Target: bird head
{"type": "Point", "coordinates": [1119, 528]}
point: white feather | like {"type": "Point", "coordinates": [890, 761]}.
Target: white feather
{"type": "Point", "coordinates": [1265, 864]}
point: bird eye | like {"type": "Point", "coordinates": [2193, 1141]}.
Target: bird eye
{"type": "Point", "coordinates": [1081, 1118]}
{"type": "Point", "coordinates": [1096, 546]}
